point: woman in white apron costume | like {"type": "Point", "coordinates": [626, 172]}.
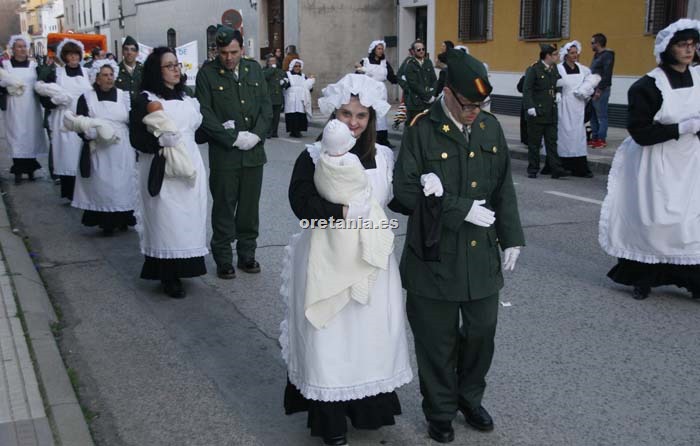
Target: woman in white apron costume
{"type": "Point", "coordinates": [297, 99]}
{"type": "Point", "coordinates": [578, 85]}
{"type": "Point", "coordinates": [68, 83]}
{"type": "Point", "coordinates": [650, 218]}
{"type": "Point", "coordinates": [108, 192]}
{"type": "Point", "coordinates": [24, 127]}
{"type": "Point", "coordinates": [171, 212]}
{"type": "Point", "coordinates": [377, 67]}
{"type": "Point", "coordinates": [352, 365]}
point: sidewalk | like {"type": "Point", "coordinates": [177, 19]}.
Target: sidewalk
{"type": "Point", "coordinates": [31, 360]}
{"type": "Point", "coordinates": [598, 159]}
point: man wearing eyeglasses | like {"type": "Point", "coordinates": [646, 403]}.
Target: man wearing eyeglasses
{"type": "Point", "coordinates": [130, 70]}
{"type": "Point", "coordinates": [541, 97]}
{"type": "Point", "coordinates": [420, 81]}
{"type": "Point", "coordinates": [458, 153]}
{"type": "Point", "coordinates": [237, 113]}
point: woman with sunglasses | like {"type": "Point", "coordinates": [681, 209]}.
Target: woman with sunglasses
{"type": "Point", "coordinates": [171, 212]}
{"type": "Point", "coordinates": [650, 217]}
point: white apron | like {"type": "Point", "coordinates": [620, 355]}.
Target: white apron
{"type": "Point", "coordinates": [297, 98]}
{"type": "Point", "coordinates": [379, 73]}
{"type": "Point", "coordinates": [571, 132]}
{"type": "Point", "coordinates": [111, 185]}
{"type": "Point", "coordinates": [172, 225]}
{"type": "Point", "coordinates": [363, 350]}
{"type": "Point", "coordinates": [66, 145]}
{"type": "Point", "coordinates": [652, 211]}
{"type": "Point", "coordinates": [24, 122]}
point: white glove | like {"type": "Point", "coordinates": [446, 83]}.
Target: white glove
{"type": "Point", "coordinates": [283, 81]}
{"type": "Point", "coordinates": [557, 98]}
{"type": "Point", "coordinates": [432, 99]}
{"type": "Point", "coordinates": [246, 140]}
{"type": "Point", "coordinates": [231, 124]}
{"type": "Point", "coordinates": [274, 65]}
{"type": "Point", "coordinates": [169, 139]}
{"type": "Point", "coordinates": [511, 256]}
{"type": "Point", "coordinates": [90, 133]}
{"type": "Point", "coordinates": [479, 215]}
{"type": "Point", "coordinates": [431, 185]}
{"type": "Point", "coordinates": [532, 112]}
{"type": "Point", "coordinates": [691, 125]}
{"type": "Point", "coordinates": [62, 99]}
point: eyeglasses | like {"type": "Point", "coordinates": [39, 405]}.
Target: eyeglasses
{"type": "Point", "coordinates": [172, 66]}
{"type": "Point", "coordinates": [687, 45]}
{"type": "Point", "coordinates": [469, 107]}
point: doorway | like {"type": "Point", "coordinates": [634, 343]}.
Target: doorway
{"type": "Point", "coordinates": [421, 29]}
{"type": "Point", "coordinates": [272, 27]}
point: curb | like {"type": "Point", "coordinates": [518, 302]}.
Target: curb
{"type": "Point", "coordinates": [64, 411]}
{"type": "Point", "coordinates": [517, 150]}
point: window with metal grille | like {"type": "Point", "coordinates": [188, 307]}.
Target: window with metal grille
{"type": "Point", "coordinates": [542, 19]}
{"type": "Point", "coordinates": [661, 13]}
{"type": "Point", "coordinates": [172, 38]}
{"type": "Point", "coordinates": [473, 20]}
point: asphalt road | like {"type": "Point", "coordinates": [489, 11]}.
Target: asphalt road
{"type": "Point", "coordinates": [578, 361]}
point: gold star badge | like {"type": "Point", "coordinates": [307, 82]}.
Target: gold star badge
{"type": "Point", "coordinates": [221, 71]}
{"type": "Point", "coordinates": [445, 128]}
{"type": "Point", "coordinates": [482, 125]}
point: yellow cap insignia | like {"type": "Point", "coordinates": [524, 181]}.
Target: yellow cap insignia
{"type": "Point", "coordinates": [482, 125]}
{"type": "Point", "coordinates": [445, 128]}
{"type": "Point", "coordinates": [444, 155]}
{"type": "Point", "coordinates": [220, 88]}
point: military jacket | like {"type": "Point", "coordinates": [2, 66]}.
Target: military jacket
{"type": "Point", "coordinates": [245, 100]}
{"type": "Point", "coordinates": [539, 92]}
{"type": "Point", "coordinates": [129, 82]}
{"type": "Point", "coordinates": [470, 265]}
{"type": "Point", "coordinates": [420, 83]}
{"type": "Point", "coordinates": [273, 76]}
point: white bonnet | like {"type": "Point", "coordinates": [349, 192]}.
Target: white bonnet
{"type": "Point", "coordinates": [374, 44]}
{"type": "Point", "coordinates": [463, 48]}
{"type": "Point", "coordinates": [17, 37]}
{"type": "Point", "coordinates": [98, 64]}
{"type": "Point", "coordinates": [369, 92]}
{"type": "Point", "coordinates": [663, 38]}
{"type": "Point", "coordinates": [294, 62]}
{"type": "Point", "coordinates": [64, 41]}
{"type": "Point", "coordinates": [565, 49]}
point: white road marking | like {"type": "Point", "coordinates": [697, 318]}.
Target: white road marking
{"type": "Point", "coordinates": [574, 197]}
{"type": "Point", "coordinates": [294, 141]}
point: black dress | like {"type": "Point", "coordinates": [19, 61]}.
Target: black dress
{"type": "Point", "coordinates": [328, 419]}
{"type": "Point", "coordinates": [645, 101]}
{"type": "Point", "coordinates": [296, 122]}
{"type": "Point", "coordinates": [67, 181]}
{"type": "Point", "coordinates": [22, 165]}
{"type": "Point", "coordinates": [108, 221]}
{"type": "Point", "coordinates": [143, 141]}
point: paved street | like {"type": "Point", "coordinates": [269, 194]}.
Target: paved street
{"type": "Point", "coordinates": [578, 361]}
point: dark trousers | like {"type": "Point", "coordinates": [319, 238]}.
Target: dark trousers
{"type": "Point", "coordinates": [235, 212]}
{"type": "Point", "coordinates": [276, 110]}
{"type": "Point", "coordinates": [452, 360]}
{"type": "Point", "coordinates": [535, 132]}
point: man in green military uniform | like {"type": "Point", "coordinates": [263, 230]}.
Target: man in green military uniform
{"type": "Point", "coordinates": [237, 113]}
{"type": "Point", "coordinates": [130, 70]}
{"type": "Point", "coordinates": [275, 78]}
{"type": "Point", "coordinates": [459, 153]}
{"type": "Point", "coordinates": [420, 81]}
{"type": "Point", "coordinates": [540, 98]}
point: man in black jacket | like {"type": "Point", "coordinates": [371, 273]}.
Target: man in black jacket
{"type": "Point", "coordinates": [603, 62]}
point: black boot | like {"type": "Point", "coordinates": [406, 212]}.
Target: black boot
{"type": "Point", "coordinates": [18, 178]}
{"type": "Point", "coordinates": [173, 288]}
{"type": "Point", "coordinates": [641, 292]}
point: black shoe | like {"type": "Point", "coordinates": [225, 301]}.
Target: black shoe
{"type": "Point", "coordinates": [173, 288]}
{"type": "Point", "coordinates": [588, 175]}
{"type": "Point", "coordinates": [124, 228]}
{"type": "Point", "coordinates": [477, 418]}
{"type": "Point", "coordinates": [560, 173]}
{"type": "Point", "coordinates": [108, 231]}
{"type": "Point", "coordinates": [641, 292]}
{"type": "Point", "coordinates": [338, 440]}
{"type": "Point", "coordinates": [18, 178]}
{"type": "Point", "coordinates": [441, 431]}
{"type": "Point", "coordinates": [696, 294]}
{"type": "Point", "coordinates": [225, 272]}
{"type": "Point", "coordinates": [30, 175]}
{"type": "Point", "coordinates": [532, 175]}
{"type": "Point", "coordinates": [249, 266]}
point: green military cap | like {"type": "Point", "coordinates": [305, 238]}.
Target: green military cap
{"type": "Point", "coordinates": [467, 75]}
{"type": "Point", "coordinates": [225, 35]}
{"type": "Point", "coordinates": [130, 41]}
{"type": "Point", "coordinates": [548, 48]}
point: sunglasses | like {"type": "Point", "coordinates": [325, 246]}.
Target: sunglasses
{"type": "Point", "coordinates": [419, 49]}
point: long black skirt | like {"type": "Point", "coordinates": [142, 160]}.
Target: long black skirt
{"type": "Point", "coordinates": [578, 165]}
{"type": "Point", "coordinates": [67, 186]}
{"type": "Point", "coordinates": [629, 272]}
{"type": "Point", "coordinates": [296, 122]}
{"type": "Point", "coordinates": [170, 269]}
{"type": "Point", "coordinates": [24, 165]}
{"type": "Point", "coordinates": [109, 220]}
{"type": "Point", "coordinates": [328, 419]}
